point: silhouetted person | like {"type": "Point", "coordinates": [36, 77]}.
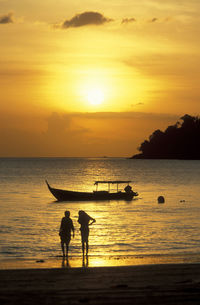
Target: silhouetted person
{"type": "Point", "coordinates": [128, 189]}
{"type": "Point", "coordinates": [66, 227]}
{"type": "Point", "coordinates": [85, 221]}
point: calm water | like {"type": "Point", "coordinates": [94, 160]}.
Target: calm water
{"type": "Point", "coordinates": [30, 217]}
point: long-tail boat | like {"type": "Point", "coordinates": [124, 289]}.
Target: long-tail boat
{"type": "Point", "coordinates": [66, 195]}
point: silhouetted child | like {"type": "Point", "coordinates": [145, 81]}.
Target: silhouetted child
{"type": "Point", "coordinates": [66, 227]}
{"type": "Point", "coordinates": [85, 221]}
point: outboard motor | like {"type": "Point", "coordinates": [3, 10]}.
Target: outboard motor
{"type": "Point", "coordinates": [128, 189]}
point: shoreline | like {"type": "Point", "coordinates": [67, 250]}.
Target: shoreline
{"type": "Point", "coordinates": [177, 284]}
{"type": "Point", "coordinates": [98, 261]}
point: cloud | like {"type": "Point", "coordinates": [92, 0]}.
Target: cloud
{"type": "Point", "coordinates": [167, 66]}
{"type": "Point", "coordinates": [128, 20]}
{"type": "Point", "coordinates": [153, 20]}
{"type": "Point", "coordinates": [78, 134]}
{"type": "Point", "coordinates": [8, 18]}
{"type": "Point", "coordinates": [86, 18]}
{"type": "Point", "coordinates": [137, 104]}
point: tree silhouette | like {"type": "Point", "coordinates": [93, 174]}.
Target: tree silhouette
{"type": "Point", "coordinates": [179, 141]}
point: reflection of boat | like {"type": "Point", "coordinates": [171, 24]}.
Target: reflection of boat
{"type": "Point", "coordinates": [64, 195]}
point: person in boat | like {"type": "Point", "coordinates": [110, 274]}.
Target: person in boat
{"type": "Point", "coordinates": [128, 189]}
{"type": "Point", "coordinates": [66, 227]}
{"type": "Point", "coordinates": [85, 221]}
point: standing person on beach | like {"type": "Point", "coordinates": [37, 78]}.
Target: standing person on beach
{"type": "Point", "coordinates": [85, 221]}
{"type": "Point", "coordinates": [66, 227]}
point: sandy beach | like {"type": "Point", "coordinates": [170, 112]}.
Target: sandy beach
{"type": "Point", "coordinates": [142, 284]}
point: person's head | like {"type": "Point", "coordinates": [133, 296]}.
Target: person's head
{"type": "Point", "coordinates": [83, 216]}
{"type": "Point", "coordinates": [67, 213]}
{"type": "Point", "coordinates": [81, 213]}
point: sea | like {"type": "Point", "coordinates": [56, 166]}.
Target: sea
{"type": "Point", "coordinates": [126, 232]}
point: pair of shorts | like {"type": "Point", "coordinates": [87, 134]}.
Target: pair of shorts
{"type": "Point", "coordinates": [65, 239]}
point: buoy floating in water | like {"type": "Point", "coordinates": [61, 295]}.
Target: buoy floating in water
{"type": "Point", "coordinates": [161, 199]}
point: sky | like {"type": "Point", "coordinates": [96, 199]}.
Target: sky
{"type": "Point", "coordinates": [92, 78]}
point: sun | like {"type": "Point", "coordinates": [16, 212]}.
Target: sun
{"type": "Point", "coordinates": [95, 96]}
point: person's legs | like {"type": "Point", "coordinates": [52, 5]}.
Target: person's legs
{"type": "Point", "coordinates": [67, 242]}
{"type": "Point", "coordinates": [83, 242]}
{"type": "Point", "coordinates": [83, 247]}
{"type": "Point", "coordinates": [86, 242]}
{"type": "Point", "coordinates": [87, 247]}
{"type": "Point", "coordinates": [63, 248]}
{"type": "Point", "coordinates": [67, 249]}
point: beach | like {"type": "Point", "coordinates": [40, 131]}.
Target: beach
{"type": "Point", "coordinates": [176, 284]}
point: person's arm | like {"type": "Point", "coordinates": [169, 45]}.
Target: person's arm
{"type": "Point", "coordinates": [72, 227]}
{"type": "Point", "coordinates": [61, 226]}
{"type": "Point", "coordinates": [92, 221]}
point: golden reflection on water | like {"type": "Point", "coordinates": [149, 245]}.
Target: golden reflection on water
{"type": "Point", "coordinates": [139, 227]}
{"type": "Point", "coordinates": [97, 261]}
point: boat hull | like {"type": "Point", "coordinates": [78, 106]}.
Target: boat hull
{"type": "Point", "coordinates": [64, 195]}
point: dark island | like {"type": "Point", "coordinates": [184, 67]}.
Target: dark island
{"type": "Point", "coordinates": [179, 141]}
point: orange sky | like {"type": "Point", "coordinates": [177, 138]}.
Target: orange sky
{"type": "Point", "coordinates": [94, 78]}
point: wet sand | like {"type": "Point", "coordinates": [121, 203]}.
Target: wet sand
{"type": "Point", "coordinates": [97, 261]}
{"type": "Point", "coordinates": [174, 284]}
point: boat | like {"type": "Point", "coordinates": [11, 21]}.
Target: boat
{"type": "Point", "coordinates": [65, 195]}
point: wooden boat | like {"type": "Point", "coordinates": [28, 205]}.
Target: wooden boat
{"type": "Point", "coordinates": [64, 195]}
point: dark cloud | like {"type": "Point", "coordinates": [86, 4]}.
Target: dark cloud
{"type": "Point", "coordinates": [154, 20]}
{"type": "Point", "coordinates": [138, 104]}
{"type": "Point", "coordinates": [8, 18]}
{"type": "Point", "coordinates": [128, 20]}
{"type": "Point", "coordinates": [86, 18]}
